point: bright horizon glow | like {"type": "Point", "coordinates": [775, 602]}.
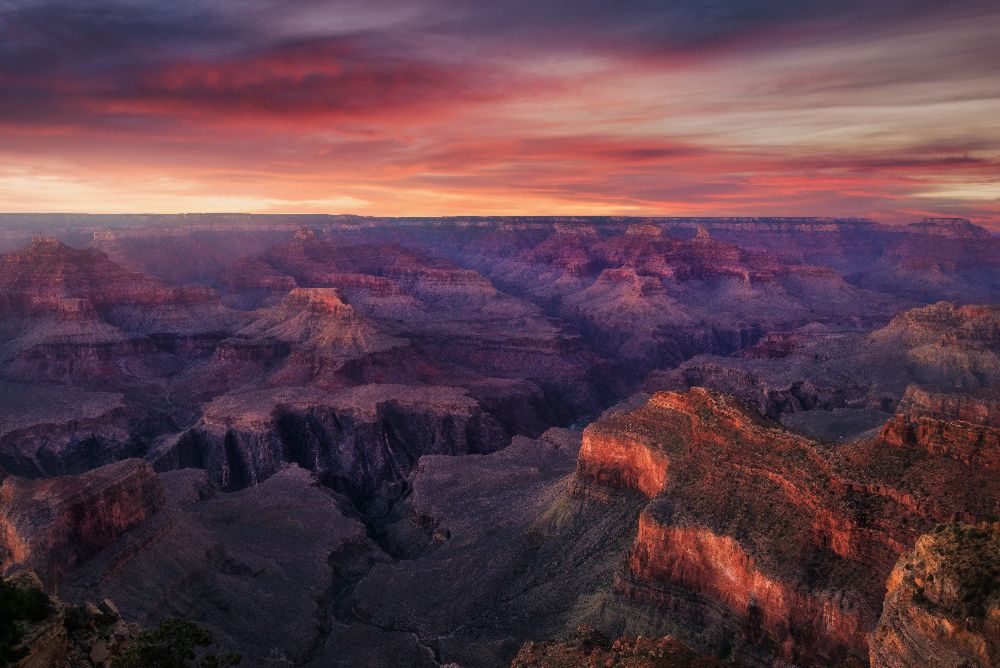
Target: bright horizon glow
{"type": "Point", "coordinates": [433, 107]}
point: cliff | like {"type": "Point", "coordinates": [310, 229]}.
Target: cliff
{"type": "Point", "coordinates": [981, 406]}
{"type": "Point", "coordinates": [358, 438]}
{"type": "Point", "coordinates": [939, 361]}
{"type": "Point", "coordinates": [53, 525]}
{"type": "Point", "coordinates": [962, 426]}
{"type": "Point", "coordinates": [948, 227]}
{"type": "Point", "coordinates": [792, 536]}
{"type": "Point", "coordinates": [942, 605]}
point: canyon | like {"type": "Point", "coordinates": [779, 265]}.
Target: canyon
{"type": "Point", "coordinates": [338, 440]}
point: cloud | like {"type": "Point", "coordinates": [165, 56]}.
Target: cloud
{"type": "Point", "coordinates": [450, 106]}
{"type": "Point", "coordinates": [328, 78]}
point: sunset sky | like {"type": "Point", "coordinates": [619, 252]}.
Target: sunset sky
{"type": "Point", "coordinates": [888, 109]}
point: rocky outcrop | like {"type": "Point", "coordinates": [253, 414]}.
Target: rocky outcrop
{"type": "Point", "coordinates": [51, 526]}
{"type": "Point", "coordinates": [771, 394]}
{"type": "Point", "coordinates": [945, 325]}
{"type": "Point", "coordinates": [73, 316]}
{"type": "Point", "coordinates": [980, 406]}
{"type": "Point", "coordinates": [800, 620]}
{"type": "Point", "coordinates": [71, 635]}
{"type": "Point", "coordinates": [223, 559]}
{"type": "Point", "coordinates": [317, 319]}
{"type": "Point", "coordinates": [252, 282]}
{"type": "Point", "coordinates": [47, 273]}
{"type": "Point", "coordinates": [942, 605]}
{"type": "Point", "coordinates": [937, 260]}
{"type": "Point", "coordinates": [357, 439]}
{"type": "Point", "coordinates": [940, 361]}
{"type": "Point", "coordinates": [589, 649]}
{"type": "Point", "coordinates": [962, 426]}
{"type": "Point", "coordinates": [792, 536]}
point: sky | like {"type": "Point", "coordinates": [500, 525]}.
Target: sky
{"type": "Point", "coordinates": [888, 109]}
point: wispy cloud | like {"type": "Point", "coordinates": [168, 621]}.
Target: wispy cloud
{"type": "Point", "coordinates": [442, 106]}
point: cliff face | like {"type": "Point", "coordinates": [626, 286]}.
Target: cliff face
{"type": "Point", "coordinates": [792, 536]}
{"type": "Point", "coordinates": [937, 258]}
{"type": "Point", "coordinates": [981, 407]}
{"type": "Point", "coordinates": [958, 228]}
{"type": "Point", "coordinates": [53, 525]}
{"type": "Point", "coordinates": [257, 568]}
{"type": "Point", "coordinates": [53, 431]}
{"type": "Point", "coordinates": [940, 361]}
{"type": "Point", "coordinates": [971, 329]}
{"type": "Point", "coordinates": [359, 438]}
{"type": "Point", "coordinates": [797, 619]}
{"type": "Point", "coordinates": [942, 605]}
{"type": "Point", "coordinates": [635, 448]}
{"type": "Point", "coordinates": [73, 316]}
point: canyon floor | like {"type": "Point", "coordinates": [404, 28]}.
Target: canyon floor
{"type": "Point", "coordinates": [347, 441]}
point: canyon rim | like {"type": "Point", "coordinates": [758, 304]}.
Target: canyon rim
{"type": "Point", "coordinates": [516, 334]}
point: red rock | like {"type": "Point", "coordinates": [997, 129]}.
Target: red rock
{"type": "Point", "coordinates": [50, 270]}
{"type": "Point", "coordinates": [942, 606]}
{"type": "Point", "coordinates": [53, 525]}
{"type": "Point", "coordinates": [793, 536]}
{"type": "Point", "coordinates": [981, 406]}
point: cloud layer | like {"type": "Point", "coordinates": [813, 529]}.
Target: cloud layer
{"type": "Point", "coordinates": [682, 107]}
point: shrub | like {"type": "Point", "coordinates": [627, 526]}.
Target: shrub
{"type": "Point", "coordinates": [17, 606]}
{"type": "Point", "coordinates": [173, 644]}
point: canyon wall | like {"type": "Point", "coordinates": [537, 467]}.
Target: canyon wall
{"type": "Point", "coordinates": [51, 526]}
{"type": "Point", "coordinates": [792, 536]}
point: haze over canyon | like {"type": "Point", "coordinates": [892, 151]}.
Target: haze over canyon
{"type": "Point", "coordinates": [337, 440]}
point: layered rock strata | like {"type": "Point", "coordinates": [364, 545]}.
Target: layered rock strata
{"type": "Point", "coordinates": [942, 606]}
{"type": "Point", "coordinates": [53, 525]}
{"type": "Point", "coordinates": [793, 536]}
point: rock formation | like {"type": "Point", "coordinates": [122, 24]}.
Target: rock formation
{"type": "Point", "coordinates": [792, 536]}
{"type": "Point", "coordinates": [52, 526]}
{"type": "Point", "coordinates": [371, 427]}
{"type": "Point", "coordinates": [71, 635]}
{"type": "Point", "coordinates": [948, 351]}
{"type": "Point", "coordinates": [589, 649]}
{"type": "Point", "coordinates": [357, 438]}
{"type": "Point", "coordinates": [257, 568]}
{"type": "Point", "coordinates": [942, 607]}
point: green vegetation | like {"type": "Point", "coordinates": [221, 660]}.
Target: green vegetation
{"type": "Point", "coordinates": [970, 557]}
{"type": "Point", "coordinates": [18, 606]}
{"type": "Point", "coordinates": [173, 644]}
